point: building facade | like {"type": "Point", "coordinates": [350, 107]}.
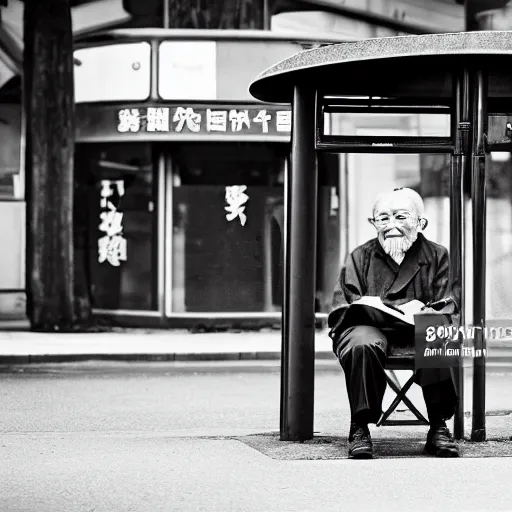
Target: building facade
{"type": "Point", "coordinates": [180, 178]}
{"type": "Point", "coordinates": [180, 173]}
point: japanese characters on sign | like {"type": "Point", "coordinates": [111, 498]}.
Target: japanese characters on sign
{"type": "Point", "coordinates": [201, 120]}
{"type": "Point", "coordinates": [236, 198]}
{"type": "Point", "coordinates": [112, 245]}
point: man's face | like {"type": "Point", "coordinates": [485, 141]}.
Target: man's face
{"type": "Point", "coordinates": [397, 224]}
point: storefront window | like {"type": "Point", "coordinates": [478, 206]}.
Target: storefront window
{"type": "Point", "coordinates": [121, 217]}
{"type": "Point", "coordinates": [227, 199]}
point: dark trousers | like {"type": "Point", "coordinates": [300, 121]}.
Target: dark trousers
{"type": "Point", "coordinates": [362, 352]}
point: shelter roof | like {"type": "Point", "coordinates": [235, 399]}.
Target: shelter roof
{"type": "Point", "coordinates": [403, 65]}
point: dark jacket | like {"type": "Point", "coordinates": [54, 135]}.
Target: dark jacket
{"type": "Point", "coordinates": [423, 275]}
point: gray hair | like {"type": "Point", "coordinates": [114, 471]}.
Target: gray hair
{"type": "Point", "coordinates": [408, 193]}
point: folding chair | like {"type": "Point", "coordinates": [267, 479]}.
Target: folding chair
{"type": "Point", "coordinates": [400, 358]}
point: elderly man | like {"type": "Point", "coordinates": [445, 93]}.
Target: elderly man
{"type": "Point", "coordinates": [399, 265]}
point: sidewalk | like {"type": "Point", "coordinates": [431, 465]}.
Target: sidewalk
{"type": "Point", "coordinates": [146, 345]}
{"type": "Point", "coordinates": [22, 347]}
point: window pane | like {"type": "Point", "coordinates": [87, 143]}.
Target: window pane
{"type": "Point", "coordinates": [113, 72]}
{"type": "Point", "coordinates": [371, 174]}
{"type": "Point", "coordinates": [350, 124]}
{"type": "Point", "coordinates": [120, 180]}
{"type": "Point", "coordinates": [10, 135]}
{"type": "Point", "coordinates": [226, 243]}
{"type": "Point", "coordinates": [187, 69]}
{"type": "Point", "coordinates": [499, 238]}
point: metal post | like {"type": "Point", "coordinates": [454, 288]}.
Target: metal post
{"type": "Point", "coordinates": [478, 193]}
{"type": "Point", "coordinates": [266, 15]}
{"type": "Point", "coordinates": [285, 357]}
{"type": "Point", "coordinates": [457, 221]}
{"type": "Point", "coordinates": [166, 13]}
{"type": "Point", "coordinates": [299, 312]}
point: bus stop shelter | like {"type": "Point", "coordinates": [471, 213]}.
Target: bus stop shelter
{"type": "Point", "coordinates": [466, 76]}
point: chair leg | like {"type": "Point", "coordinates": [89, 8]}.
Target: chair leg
{"type": "Point", "coordinates": [458, 378]}
{"type": "Point", "coordinates": [400, 397]}
{"type": "Point", "coordinates": [393, 377]}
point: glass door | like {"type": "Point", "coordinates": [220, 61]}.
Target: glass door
{"type": "Point", "coordinates": [223, 204]}
{"type": "Point", "coordinates": [116, 224]}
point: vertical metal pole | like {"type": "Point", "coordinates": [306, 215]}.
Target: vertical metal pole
{"type": "Point", "coordinates": [457, 221]}
{"type": "Point", "coordinates": [165, 7]}
{"type": "Point", "coordinates": [478, 192]}
{"type": "Point", "coordinates": [300, 303]}
{"type": "Point", "coordinates": [285, 356]}
{"type": "Point", "coordinates": [266, 15]}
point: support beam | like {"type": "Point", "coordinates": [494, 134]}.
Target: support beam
{"type": "Point", "coordinates": [478, 193]}
{"type": "Point", "coordinates": [459, 170]}
{"type": "Point", "coordinates": [285, 337]}
{"type": "Point", "coordinates": [266, 15]}
{"type": "Point", "coordinates": [299, 306]}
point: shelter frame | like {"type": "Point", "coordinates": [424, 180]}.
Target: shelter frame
{"type": "Point", "coordinates": [466, 74]}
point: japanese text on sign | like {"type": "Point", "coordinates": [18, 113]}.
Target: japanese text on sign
{"type": "Point", "coordinates": [112, 245]}
{"type": "Point", "coordinates": [236, 198]}
{"type": "Point", "coordinates": [195, 120]}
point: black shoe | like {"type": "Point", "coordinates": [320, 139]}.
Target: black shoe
{"type": "Point", "coordinates": [359, 443]}
{"type": "Point", "coordinates": [440, 442]}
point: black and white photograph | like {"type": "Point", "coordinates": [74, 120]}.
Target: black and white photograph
{"type": "Point", "coordinates": [256, 255]}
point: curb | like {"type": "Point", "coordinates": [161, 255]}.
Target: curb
{"type": "Point", "coordinates": [161, 357]}
{"type": "Point", "coordinates": [181, 357]}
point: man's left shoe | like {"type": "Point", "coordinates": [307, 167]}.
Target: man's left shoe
{"type": "Point", "coordinates": [441, 443]}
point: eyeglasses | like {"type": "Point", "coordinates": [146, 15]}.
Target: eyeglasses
{"type": "Point", "coordinates": [399, 218]}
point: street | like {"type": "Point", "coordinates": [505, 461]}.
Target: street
{"type": "Point", "coordinates": [151, 436]}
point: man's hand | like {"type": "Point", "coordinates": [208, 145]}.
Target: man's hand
{"type": "Point", "coordinates": [427, 309]}
{"type": "Point", "coordinates": [444, 306]}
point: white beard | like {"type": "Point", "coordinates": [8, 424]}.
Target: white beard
{"type": "Point", "coordinates": [396, 247]}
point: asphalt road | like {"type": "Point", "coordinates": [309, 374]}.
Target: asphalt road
{"type": "Point", "coordinates": [130, 436]}
{"type": "Point", "coordinates": [206, 397]}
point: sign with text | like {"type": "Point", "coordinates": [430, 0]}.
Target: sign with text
{"type": "Point", "coordinates": [153, 121]}
{"type": "Point", "coordinates": [194, 120]}
{"type": "Point", "coordinates": [434, 346]}
{"type": "Point", "coordinates": [112, 245]}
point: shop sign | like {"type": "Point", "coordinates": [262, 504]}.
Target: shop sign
{"type": "Point", "coordinates": [201, 120]}
{"type": "Point", "coordinates": [236, 198]}
{"type": "Point", "coordinates": [112, 245]}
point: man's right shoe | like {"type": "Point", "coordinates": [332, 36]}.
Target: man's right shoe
{"type": "Point", "coordinates": [360, 443]}
{"type": "Point", "coordinates": [440, 442]}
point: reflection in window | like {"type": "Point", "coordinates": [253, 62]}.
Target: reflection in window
{"type": "Point", "coordinates": [10, 135]}
{"type": "Point", "coordinates": [499, 129]}
{"type": "Point", "coordinates": [224, 14]}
